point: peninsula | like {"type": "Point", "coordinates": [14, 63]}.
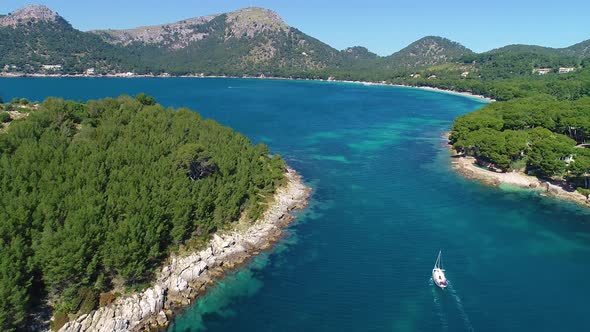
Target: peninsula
{"type": "Point", "coordinates": [536, 142]}
{"type": "Point", "coordinates": [122, 204]}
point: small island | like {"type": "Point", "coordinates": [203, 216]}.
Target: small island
{"type": "Point", "coordinates": [124, 206]}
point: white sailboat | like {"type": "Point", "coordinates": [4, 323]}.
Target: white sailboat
{"type": "Point", "coordinates": [438, 273]}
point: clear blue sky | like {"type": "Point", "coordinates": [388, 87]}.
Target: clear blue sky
{"type": "Point", "coordinates": [383, 26]}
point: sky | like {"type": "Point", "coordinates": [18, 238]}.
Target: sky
{"type": "Point", "coordinates": [383, 26]}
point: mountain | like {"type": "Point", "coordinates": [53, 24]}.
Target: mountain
{"type": "Point", "coordinates": [248, 41]}
{"type": "Point", "coordinates": [245, 23]}
{"type": "Point", "coordinates": [580, 50]}
{"type": "Point", "coordinates": [427, 51]}
{"type": "Point", "coordinates": [35, 36]}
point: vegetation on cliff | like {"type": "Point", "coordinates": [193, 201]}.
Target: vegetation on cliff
{"type": "Point", "coordinates": [94, 196]}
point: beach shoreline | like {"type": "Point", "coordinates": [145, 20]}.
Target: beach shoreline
{"type": "Point", "coordinates": [366, 83]}
{"type": "Point", "coordinates": [185, 277]}
{"type": "Point", "coordinates": [467, 167]}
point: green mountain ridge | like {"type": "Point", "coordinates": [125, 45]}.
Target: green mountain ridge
{"type": "Point", "coordinates": [249, 41]}
{"type": "Point", "coordinates": [580, 50]}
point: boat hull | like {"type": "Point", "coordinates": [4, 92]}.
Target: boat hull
{"type": "Point", "coordinates": [439, 279]}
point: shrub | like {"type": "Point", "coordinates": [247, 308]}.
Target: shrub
{"type": "Point", "coordinates": [5, 117]}
{"type": "Point", "coordinates": [145, 99]}
{"type": "Point", "coordinates": [106, 299]}
{"type": "Point", "coordinates": [585, 192]}
{"type": "Point", "coordinates": [59, 320]}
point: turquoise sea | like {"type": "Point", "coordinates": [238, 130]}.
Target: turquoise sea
{"type": "Point", "coordinates": [385, 201]}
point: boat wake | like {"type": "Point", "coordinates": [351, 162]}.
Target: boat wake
{"type": "Point", "coordinates": [437, 298]}
{"type": "Point", "coordinates": [460, 308]}
{"type": "Point", "coordinates": [439, 310]}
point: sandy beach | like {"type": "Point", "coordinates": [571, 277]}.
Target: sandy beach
{"type": "Point", "coordinates": [467, 166]}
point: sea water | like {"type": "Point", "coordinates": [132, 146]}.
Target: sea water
{"type": "Point", "coordinates": [385, 201]}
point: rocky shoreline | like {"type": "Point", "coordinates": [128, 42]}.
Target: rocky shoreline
{"type": "Point", "coordinates": [184, 278]}
{"type": "Point", "coordinates": [467, 166]}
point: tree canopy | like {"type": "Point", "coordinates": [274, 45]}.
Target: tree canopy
{"type": "Point", "coordinates": [94, 196]}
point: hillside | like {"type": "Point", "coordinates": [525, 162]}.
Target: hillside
{"type": "Point", "coordinates": [35, 36]}
{"type": "Point", "coordinates": [579, 50]}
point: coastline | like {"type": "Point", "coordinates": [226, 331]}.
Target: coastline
{"type": "Point", "coordinates": [184, 277]}
{"type": "Point", "coordinates": [367, 83]}
{"type": "Point", "coordinates": [467, 167]}
{"type": "Point", "coordinates": [452, 92]}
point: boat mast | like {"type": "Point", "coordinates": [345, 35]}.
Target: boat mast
{"type": "Point", "coordinates": [438, 263]}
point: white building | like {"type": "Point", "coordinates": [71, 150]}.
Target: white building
{"type": "Point", "coordinates": [90, 71]}
{"type": "Point", "coordinates": [51, 67]}
{"type": "Point", "coordinates": [541, 71]}
{"type": "Point", "coordinates": [565, 70]}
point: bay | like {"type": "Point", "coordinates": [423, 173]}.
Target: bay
{"type": "Point", "coordinates": [385, 201]}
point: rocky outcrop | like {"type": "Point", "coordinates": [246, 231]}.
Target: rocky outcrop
{"type": "Point", "coordinates": [185, 277]}
{"type": "Point", "coordinates": [249, 22]}
{"type": "Point", "coordinates": [174, 35]}
{"type": "Point", "coordinates": [32, 13]}
{"type": "Point", "coordinates": [246, 22]}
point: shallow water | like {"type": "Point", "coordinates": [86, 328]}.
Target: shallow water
{"type": "Point", "coordinates": [385, 201]}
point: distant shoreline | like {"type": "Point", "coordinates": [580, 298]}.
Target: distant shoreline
{"type": "Point", "coordinates": [382, 83]}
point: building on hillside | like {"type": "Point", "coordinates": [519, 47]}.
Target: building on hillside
{"type": "Point", "coordinates": [432, 77]}
{"type": "Point", "coordinates": [569, 159]}
{"type": "Point", "coordinates": [541, 71]}
{"type": "Point", "coordinates": [565, 70]}
{"type": "Point", "coordinates": [464, 74]}
{"type": "Point", "coordinates": [51, 67]}
{"type": "Point", "coordinates": [10, 68]}
{"type": "Point", "coordinates": [90, 71]}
